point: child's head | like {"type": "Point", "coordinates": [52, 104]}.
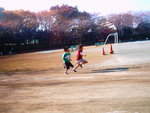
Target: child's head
{"type": "Point", "coordinates": [80, 46]}
{"type": "Point", "coordinates": [66, 49]}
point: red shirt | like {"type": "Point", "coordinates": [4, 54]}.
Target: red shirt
{"type": "Point", "coordinates": [79, 55]}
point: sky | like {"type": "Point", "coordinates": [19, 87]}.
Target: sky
{"type": "Point", "coordinates": [103, 7]}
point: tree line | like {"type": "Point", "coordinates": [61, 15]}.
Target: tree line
{"type": "Point", "coordinates": [22, 31]}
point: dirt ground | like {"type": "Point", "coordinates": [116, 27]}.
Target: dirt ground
{"type": "Point", "coordinates": [35, 83]}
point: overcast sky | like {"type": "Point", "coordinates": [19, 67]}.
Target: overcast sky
{"type": "Point", "coordinates": [103, 7]}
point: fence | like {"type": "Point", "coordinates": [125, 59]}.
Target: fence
{"type": "Point", "coordinates": [74, 48]}
{"type": "Point", "coordinates": [99, 43]}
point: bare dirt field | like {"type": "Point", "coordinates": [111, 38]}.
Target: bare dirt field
{"type": "Point", "coordinates": [35, 83]}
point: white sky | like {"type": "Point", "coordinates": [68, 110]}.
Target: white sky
{"type": "Point", "coordinates": [92, 6]}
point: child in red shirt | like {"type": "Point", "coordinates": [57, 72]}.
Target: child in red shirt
{"type": "Point", "coordinates": [79, 58]}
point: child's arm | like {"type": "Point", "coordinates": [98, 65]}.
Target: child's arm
{"type": "Point", "coordinates": [78, 55]}
{"type": "Point", "coordinates": [63, 56]}
{"type": "Point", "coordinates": [70, 59]}
{"type": "Point", "coordinates": [84, 55]}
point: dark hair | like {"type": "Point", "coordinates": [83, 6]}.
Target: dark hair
{"type": "Point", "coordinates": [80, 46]}
{"type": "Point", "coordinates": [66, 48]}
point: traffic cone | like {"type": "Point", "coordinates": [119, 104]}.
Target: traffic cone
{"type": "Point", "coordinates": [103, 51]}
{"type": "Point", "coordinates": [111, 49]}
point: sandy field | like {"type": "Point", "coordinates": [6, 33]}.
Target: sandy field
{"type": "Point", "coordinates": [35, 83]}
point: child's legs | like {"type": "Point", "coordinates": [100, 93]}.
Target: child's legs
{"type": "Point", "coordinates": [83, 61]}
{"type": "Point", "coordinates": [66, 71]}
{"type": "Point", "coordinates": [66, 66]}
{"type": "Point", "coordinates": [70, 65]}
{"type": "Point", "coordinates": [77, 64]}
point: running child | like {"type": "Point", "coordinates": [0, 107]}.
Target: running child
{"type": "Point", "coordinates": [79, 59]}
{"type": "Point", "coordinates": [66, 57]}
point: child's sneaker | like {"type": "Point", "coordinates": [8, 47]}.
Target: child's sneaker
{"type": "Point", "coordinates": [81, 65]}
{"type": "Point", "coordinates": [74, 70]}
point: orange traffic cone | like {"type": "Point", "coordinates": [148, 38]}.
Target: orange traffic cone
{"type": "Point", "coordinates": [111, 49]}
{"type": "Point", "coordinates": [103, 51]}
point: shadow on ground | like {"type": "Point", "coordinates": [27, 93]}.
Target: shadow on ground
{"type": "Point", "coordinates": [25, 71]}
{"type": "Point", "coordinates": [113, 70]}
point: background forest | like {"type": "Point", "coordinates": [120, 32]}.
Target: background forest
{"type": "Point", "coordinates": [25, 31]}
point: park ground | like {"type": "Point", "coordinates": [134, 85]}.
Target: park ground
{"type": "Point", "coordinates": [117, 83]}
